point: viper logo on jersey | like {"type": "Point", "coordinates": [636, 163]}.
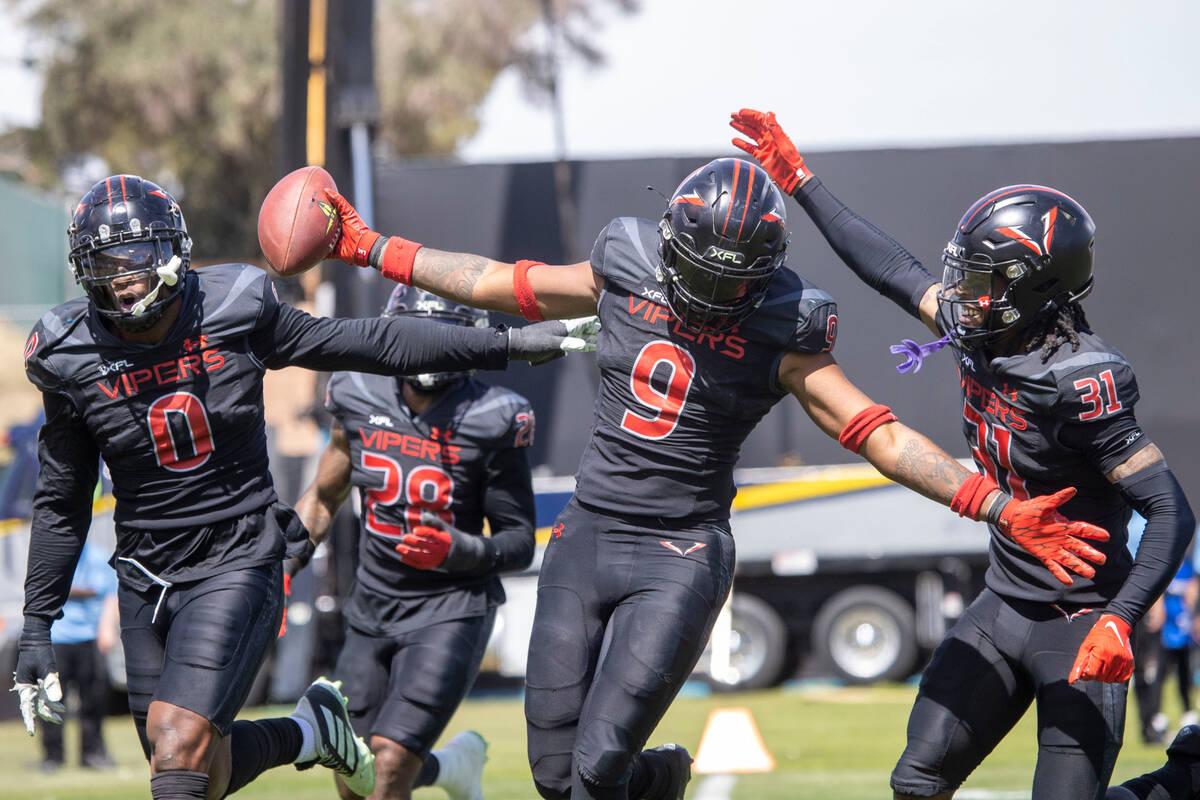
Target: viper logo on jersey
{"type": "Point", "coordinates": [31, 345]}
{"type": "Point", "coordinates": [412, 446]}
{"type": "Point", "coordinates": [993, 404]}
{"type": "Point", "coordinates": [723, 343]}
{"type": "Point", "coordinates": [165, 373]}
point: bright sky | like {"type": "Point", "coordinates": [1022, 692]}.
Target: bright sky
{"type": "Point", "coordinates": [864, 73]}
{"type": "Point", "coordinates": [840, 74]}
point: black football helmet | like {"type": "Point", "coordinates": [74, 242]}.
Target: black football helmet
{"type": "Point", "coordinates": [409, 301]}
{"type": "Point", "coordinates": [1019, 252]}
{"type": "Point", "coordinates": [721, 239]}
{"type": "Point", "coordinates": [129, 249]}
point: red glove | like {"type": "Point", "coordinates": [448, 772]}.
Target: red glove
{"type": "Point", "coordinates": [287, 592]}
{"type": "Point", "coordinates": [356, 239]}
{"type": "Point", "coordinates": [425, 547]}
{"type": "Point", "coordinates": [1105, 654]}
{"type": "Point", "coordinates": [1052, 538]}
{"type": "Point", "coordinates": [771, 146]}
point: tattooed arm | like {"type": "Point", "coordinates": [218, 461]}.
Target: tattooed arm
{"type": "Point", "coordinates": [897, 451]}
{"type": "Point", "coordinates": [561, 291]}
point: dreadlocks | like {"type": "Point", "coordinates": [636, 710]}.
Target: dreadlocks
{"type": "Point", "coordinates": [1052, 331]}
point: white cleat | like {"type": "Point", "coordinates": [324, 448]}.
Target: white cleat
{"type": "Point", "coordinates": [460, 766]}
{"type": "Point", "coordinates": [323, 707]}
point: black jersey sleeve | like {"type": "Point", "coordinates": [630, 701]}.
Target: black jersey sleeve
{"type": "Point", "coordinates": [878, 259]}
{"type": "Point", "coordinates": [1093, 387]}
{"type": "Point", "coordinates": [508, 505]}
{"type": "Point", "coordinates": [286, 336]}
{"type": "Point", "coordinates": [69, 466]}
{"type": "Point", "coordinates": [816, 329]}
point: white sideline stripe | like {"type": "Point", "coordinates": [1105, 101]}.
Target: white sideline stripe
{"type": "Point", "coordinates": [715, 787]}
{"type": "Point", "coordinates": [987, 794]}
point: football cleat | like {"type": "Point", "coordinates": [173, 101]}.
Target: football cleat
{"type": "Point", "coordinates": [679, 769]}
{"type": "Point", "coordinates": [323, 707]}
{"type": "Point", "coordinates": [460, 766]}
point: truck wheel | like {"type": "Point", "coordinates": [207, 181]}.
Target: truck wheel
{"type": "Point", "coordinates": [867, 634]}
{"type": "Point", "coordinates": [758, 646]}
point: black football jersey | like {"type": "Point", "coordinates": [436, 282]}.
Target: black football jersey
{"type": "Point", "coordinates": [675, 405]}
{"type": "Point", "coordinates": [436, 462]}
{"type": "Point", "coordinates": [180, 424]}
{"type": "Point", "coordinates": [1039, 427]}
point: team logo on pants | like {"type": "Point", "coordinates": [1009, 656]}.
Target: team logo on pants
{"type": "Point", "coordinates": [674, 547]}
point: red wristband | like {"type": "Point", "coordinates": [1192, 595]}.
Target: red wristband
{"type": "Point", "coordinates": [524, 292]}
{"type": "Point", "coordinates": [970, 496]}
{"type": "Point", "coordinates": [863, 424]}
{"type": "Point", "coordinates": [397, 260]}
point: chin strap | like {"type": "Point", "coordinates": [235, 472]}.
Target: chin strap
{"type": "Point", "coordinates": [916, 353]}
{"type": "Point", "coordinates": [168, 273]}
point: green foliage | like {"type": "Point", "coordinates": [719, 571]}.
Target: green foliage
{"type": "Point", "coordinates": [188, 93]}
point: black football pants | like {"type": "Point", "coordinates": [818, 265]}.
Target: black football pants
{"type": "Point", "coordinates": [1002, 655]}
{"type": "Point", "coordinates": [624, 610]}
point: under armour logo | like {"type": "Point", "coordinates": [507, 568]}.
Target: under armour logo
{"type": "Point", "coordinates": [693, 548]}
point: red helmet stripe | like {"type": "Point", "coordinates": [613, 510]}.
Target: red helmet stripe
{"type": "Point", "coordinates": [1013, 233]}
{"type": "Point", "coordinates": [690, 199]}
{"type": "Point", "coordinates": [737, 168]}
{"type": "Point", "coordinates": [746, 207]}
{"type": "Point", "coordinates": [1004, 191]}
{"type": "Point", "coordinates": [771, 216]}
{"type": "Point", "coordinates": [108, 188]}
{"type": "Point", "coordinates": [123, 189]}
{"type": "Point", "coordinates": [163, 195]}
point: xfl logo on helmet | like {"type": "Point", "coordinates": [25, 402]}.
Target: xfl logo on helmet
{"type": "Point", "coordinates": [714, 253]}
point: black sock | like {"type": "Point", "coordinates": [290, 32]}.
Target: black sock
{"type": "Point", "coordinates": [179, 784]}
{"type": "Point", "coordinates": [258, 746]}
{"type": "Point", "coordinates": [429, 772]}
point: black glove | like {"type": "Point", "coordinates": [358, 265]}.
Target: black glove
{"type": "Point", "coordinates": [546, 341]}
{"type": "Point", "coordinates": [36, 677]}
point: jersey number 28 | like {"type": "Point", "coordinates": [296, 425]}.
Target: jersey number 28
{"type": "Point", "coordinates": [427, 488]}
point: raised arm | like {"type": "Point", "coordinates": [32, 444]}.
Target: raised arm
{"type": "Point", "coordinates": [534, 290]}
{"type": "Point", "coordinates": [878, 259]}
{"type": "Point", "coordinates": [840, 409]}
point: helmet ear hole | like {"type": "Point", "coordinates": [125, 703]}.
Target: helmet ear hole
{"type": "Point", "coordinates": [1046, 286]}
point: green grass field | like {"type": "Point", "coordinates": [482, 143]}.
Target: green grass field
{"type": "Point", "coordinates": [827, 742]}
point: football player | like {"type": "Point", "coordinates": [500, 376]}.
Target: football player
{"type": "Point", "coordinates": [158, 370]}
{"type": "Point", "coordinates": [1046, 404]}
{"type": "Point", "coordinates": [434, 455]}
{"type": "Point", "coordinates": [703, 331]}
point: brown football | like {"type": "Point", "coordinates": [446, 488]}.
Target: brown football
{"type": "Point", "coordinates": [297, 225]}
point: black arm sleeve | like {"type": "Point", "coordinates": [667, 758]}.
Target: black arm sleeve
{"type": "Point", "coordinates": [878, 259]}
{"type": "Point", "coordinates": [1156, 495]}
{"type": "Point", "coordinates": [384, 345]}
{"type": "Point", "coordinates": [509, 507]}
{"type": "Point", "coordinates": [68, 467]}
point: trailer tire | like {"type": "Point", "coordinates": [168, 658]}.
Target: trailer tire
{"type": "Point", "coordinates": [759, 651]}
{"type": "Point", "coordinates": [867, 634]}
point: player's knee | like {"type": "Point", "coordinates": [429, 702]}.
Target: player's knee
{"type": "Point", "coordinates": [552, 775]}
{"type": "Point", "coordinates": [180, 740]}
{"type": "Point", "coordinates": [603, 754]}
{"type": "Point", "coordinates": [396, 768]}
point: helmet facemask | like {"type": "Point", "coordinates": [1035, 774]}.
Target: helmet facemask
{"type": "Point", "coordinates": [130, 250]}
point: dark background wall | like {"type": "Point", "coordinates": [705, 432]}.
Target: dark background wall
{"type": "Point", "coordinates": [1142, 195]}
